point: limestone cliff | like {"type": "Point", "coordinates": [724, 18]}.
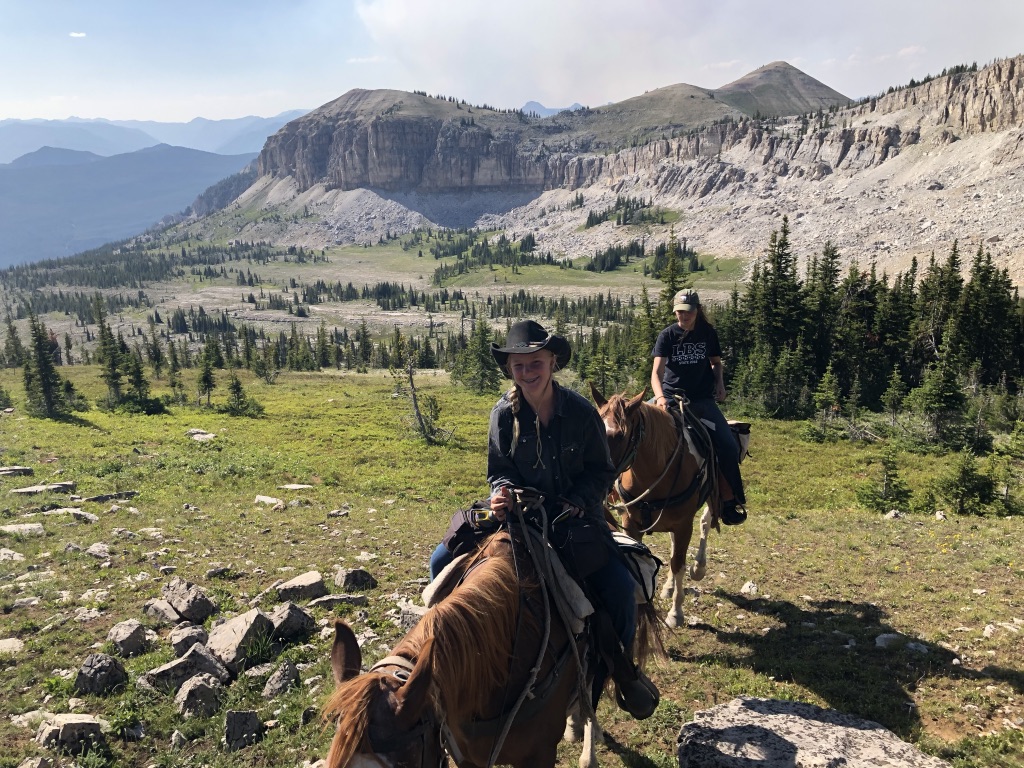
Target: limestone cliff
{"type": "Point", "coordinates": [896, 176]}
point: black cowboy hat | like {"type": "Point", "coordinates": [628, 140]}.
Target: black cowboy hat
{"type": "Point", "coordinates": [528, 336]}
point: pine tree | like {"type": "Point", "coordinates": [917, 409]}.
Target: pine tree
{"type": "Point", "coordinates": [206, 382]}
{"type": "Point", "coordinates": [888, 491]}
{"type": "Point", "coordinates": [108, 355]}
{"type": "Point", "coordinates": [44, 392]}
{"type": "Point", "coordinates": [14, 350]}
{"type": "Point", "coordinates": [475, 367]}
{"type": "Point", "coordinates": [893, 396]}
{"type": "Point", "coordinates": [671, 277]}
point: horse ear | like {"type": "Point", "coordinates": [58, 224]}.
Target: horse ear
{"type": "Point", "coordinates": [346, 658]}
{"type": "Point", "coordinates": [414, 694]}
{"type": "Point", "coordinates": [598, 397]}
{"type": "Point", "coordinates": [637, 400]}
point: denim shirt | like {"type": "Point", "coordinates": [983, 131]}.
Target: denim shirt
{"type": "Point", "coordinates": [574, 462]}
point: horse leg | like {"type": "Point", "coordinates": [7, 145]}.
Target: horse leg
{"type": "Point", "coordinates": [674, 584]}
{"type": "Point", "coordinates": [592, 736]}
{"type": "Point", "coordinates": [699, 566]}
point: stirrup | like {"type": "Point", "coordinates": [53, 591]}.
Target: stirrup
{"type": "Point", "coordinates": [733, 513]}
{"type": "Point", "coordinates": [639, 697]}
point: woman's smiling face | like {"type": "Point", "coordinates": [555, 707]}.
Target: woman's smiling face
{"type": "Point", "coordinates": [532, 371]}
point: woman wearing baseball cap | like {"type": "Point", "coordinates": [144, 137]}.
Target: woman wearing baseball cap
{"type": "Point", "coordinates": [688, 364]}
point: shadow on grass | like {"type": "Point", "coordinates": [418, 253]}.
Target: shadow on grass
{"type": "Point", "coordinates": [630, 757]}
{"type": "Point", "coordinates": [829, 647]}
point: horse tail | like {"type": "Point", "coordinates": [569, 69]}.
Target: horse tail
{"type": "Point", "coordinates": [650, 635]}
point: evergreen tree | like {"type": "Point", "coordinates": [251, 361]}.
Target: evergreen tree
{"type": "Point", "coordinates": [776, 316]}
{"type": "Point", "coordinates": [964, 487]}
{"type": "Point", "coordinates": [14, 350]}
{"type": "Point", "coordinates": [206, 382]}
{"type": "Point", "coordinates": [239, 403]}
{"type": "Point", "coordinates": [475, 367]}
{"type": "Point", "coordinates": [892, 398]}
{"type": "Point", "coordinates": [44, 392]}
{"type": "Point", "coordinates": [671, 277]}
{"type": "Point", "coordinates": [155, 352]}
{"type": "Point", "coordinates": [888, 491]}
{"type": "Point", "coordinates": [108, 355]}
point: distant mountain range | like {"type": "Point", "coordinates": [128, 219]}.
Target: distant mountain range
{"type": "Point", "coordinates": [56, 202]}
{"type": "Point", "coordinates": [536, 108]}
{"type": "Point", "coordinates": [116, 137]}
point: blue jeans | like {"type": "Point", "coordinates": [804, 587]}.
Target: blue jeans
{"type": "Point", "coordinates": [439, 559]}
{"type": "Point", "coordinates": [725, 444]}
{"type": "Point", "coordinates": [615, 588]}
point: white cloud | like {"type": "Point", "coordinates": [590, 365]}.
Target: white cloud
{"type": "Point", "coordinates": [76, 34]}
{"type": "Point", "coordinates": [912, 50]}
{"type": "Point", "coordinates": [366, 60]}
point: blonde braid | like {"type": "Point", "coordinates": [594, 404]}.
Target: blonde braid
{"type": "Point", "coordinates": [513, 398]}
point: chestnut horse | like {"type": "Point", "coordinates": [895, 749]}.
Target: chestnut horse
{"type": "Point", "coordinates": [662, 484]}
{"type": "Point", "coordinates": [488, 675]}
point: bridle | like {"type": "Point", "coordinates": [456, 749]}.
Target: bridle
{"type": "Point", "coordinates": [401, 668]}
{"type": "Point", "coordinates": [633, 446]}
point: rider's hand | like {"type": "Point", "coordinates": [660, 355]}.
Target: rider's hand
{"type": "Point", "coordinates": [572, 510]}
{"type": "Point", "coordinates": [720, 393]}
{"type": "Point", "coordinates": [501, 503]}
{"type": "Point", "coordinates": [662, 402]}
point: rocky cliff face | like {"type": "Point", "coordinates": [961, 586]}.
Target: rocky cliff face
{"type": "Point", "coordinates": [898, 176]}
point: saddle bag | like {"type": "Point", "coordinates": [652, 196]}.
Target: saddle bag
{"type": "Point", "coordinates": [741, 430]}
{"type": "Point", "coordinates": [642, 563]}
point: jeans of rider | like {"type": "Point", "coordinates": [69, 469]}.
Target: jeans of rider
{"type": "Point", "coordinates": [615, 587]}
{"type": "Point", "coordinates": [440, 558]}
{"type": "Point", "coordinates": [725, 444]}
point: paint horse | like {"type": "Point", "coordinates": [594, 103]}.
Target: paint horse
{"type": "Point", "coordinates": [663, 482]}
{"type": "Point", "coordinates": [487, 676]}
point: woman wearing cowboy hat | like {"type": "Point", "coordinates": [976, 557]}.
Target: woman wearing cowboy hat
{"type": "Point", "coordinates": [549, 438]}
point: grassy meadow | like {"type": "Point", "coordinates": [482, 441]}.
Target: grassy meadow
{"type": "Point", "coordinates": [828, 576]}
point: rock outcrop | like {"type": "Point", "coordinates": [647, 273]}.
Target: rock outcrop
{"type": "Point", "coordinates": [894, 177]}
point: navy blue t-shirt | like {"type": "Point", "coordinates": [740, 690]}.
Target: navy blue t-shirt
{"type": "Point", "coordinates": [688, 360]}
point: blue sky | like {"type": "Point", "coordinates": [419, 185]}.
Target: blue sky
{"type": "Point", "coordinates": [158, 60]}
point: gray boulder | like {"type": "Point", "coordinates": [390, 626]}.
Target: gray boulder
{"type": "Point", "coordinates": [71, 733]}
{"type": "Point", "coordinates": [171, 676]}
{"type": "Point", "coordinates": [162, 611]}
{"type": "Point", "coordinates": [286, 676]}
{"type": "Point", "coordinates": [354, 579]}
{"type": "Point", "coordinates": [129, 637]}
{"type": "Point", "coordinates": [189, 600]}
{"type": "Point", "coordinates": [239, 641]}
{"type": "Point", "coordinates": [307, 586]}
{"type": "Point", "coordinates": [242, 728]}
{"type": "Point", "coordinates": [184, 636]}
{"type": "Point", "coordinates": [199, 696]}
{"type": "Point", "coordinates": [290, 621]}
{"type": "Point", "coordinates": [101, 674]}
{"type": "Point", "coordinates": [782, 734]}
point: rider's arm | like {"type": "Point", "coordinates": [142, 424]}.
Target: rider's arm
{"type": "Point", "coordinates": [718, 369]}
{"type": "Point", "coordinates": [657, 372]}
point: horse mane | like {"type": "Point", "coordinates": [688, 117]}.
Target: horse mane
{"type": "Point", "coordinates": [350, 703]}
{"type": "Point", "coordinates": [474, 629]}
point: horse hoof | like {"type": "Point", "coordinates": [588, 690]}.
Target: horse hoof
{"type": "Point", "coordinates": [674, 620]}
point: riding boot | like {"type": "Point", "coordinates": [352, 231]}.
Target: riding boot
{"type": "Point", "coordinates": [634, 691]}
